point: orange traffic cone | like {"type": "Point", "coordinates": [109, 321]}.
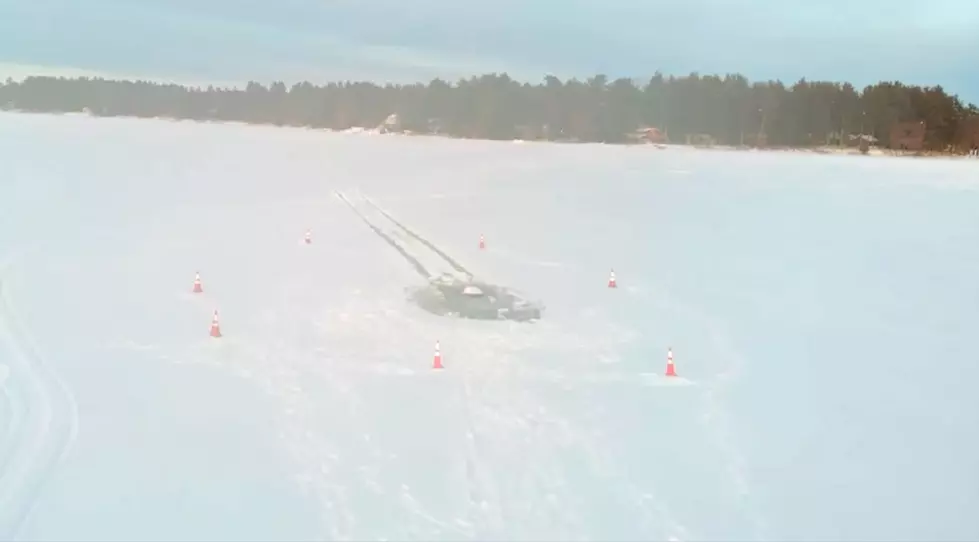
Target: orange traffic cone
{"type": "Point", "coordinates": [670, 368]}
{"type": "Point", "coordinates": [197, 283]}
{"type": "Point", "coordinates": [309, 237]}
{"type": "Point", "coordinates": [482, 242]}
{"type": "Point", "coordinates": [611, 279]}
{"type": "Point", "coordinates": [215, 326]}
{"type": "Point", "coordinates": [437, 361]}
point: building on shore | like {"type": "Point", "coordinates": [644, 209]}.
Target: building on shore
{"type": "Point", "coordinates": [908, 136]}
{"type": "Point", "coordinates": [648, 135]}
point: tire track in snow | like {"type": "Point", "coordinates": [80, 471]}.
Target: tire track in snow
{"type": "Point", "coordinates": [410, 258]}
{"type": "Point", "coordinates": [485, 508]}
{"type": "Point", "coordinates": [536, 488]}
{"type": "Point", "coordinates": [715, 415]}
{"type": "Point", "coordinates": [418, 521]}
{"type": "Point", "coordinates": [513, 469]}
{"type": "Point", "coordinates": [648, 504]}
{"type": "Point", "coordinates": [487, 511]}
{"type": "Point", "coordinates": [14, 422]}
{"type": "Point", "coordinates": [14, 426]}
{"type": "Point", "coordinates": [544, 491]}
{"type": "Point", "coordinates": [547, 436]}
{"type": "Point", "coordinates": [284, 364]}
{"type": "Point", "coordinates": [318, 458]}
{"type": "Point", "coordinates": [425, 257]}
{"type": "Point", "coordinates": [49, 429]}
{"type": "Point", "coordinates": [455, 265]}
{"type": "Point", "coordinates": [486, 515]}
{"type": "Point", "coordinates": [528, 451]}
{"type": "Point", "coordinates": [15, 406]}
{"type": "Point", "coordinates": [488, 402]}
{"type": "Point", "coordinates": [355, 466]}
{"type": "Point", "coordinates": [275, 357]}
{"type": "Point", "coordinates": [524, 454]}
{"type": "Point", "coordinates": [484, 384]}
{"type": "Point", "coordinates": [335, 458]}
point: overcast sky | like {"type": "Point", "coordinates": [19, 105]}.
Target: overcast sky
{"type": "Point", "coordinates": [863, 41]}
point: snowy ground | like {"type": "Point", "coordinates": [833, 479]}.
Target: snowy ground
{"type": "Point", "coordinates": [822, 310]}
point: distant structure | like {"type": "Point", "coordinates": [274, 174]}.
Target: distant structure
{"type": "Point", "coordinates": [701, 140]}
{"type": "Point", "coordinates": [862, 142]}
{"type": "Point", "coordinates": [908, 136]}
{"type": "Point", "coordinates": [968, 136]}
{"type": "Point", "coordinates": [392, 124]}
{"type": "Point", "coordinates": [856, 140]}
{"type": "Point", "coordinates": [648, 134]}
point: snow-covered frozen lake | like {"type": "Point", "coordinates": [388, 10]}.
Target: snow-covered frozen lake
{"type": "Point", "coordinates": [822, 310]}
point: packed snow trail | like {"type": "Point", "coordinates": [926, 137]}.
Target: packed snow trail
{"type": "Point", "coordinates": [455, 265]}
{"type": "Point", "coordinates": [489, 449]}
{"type": "Point", "coordinates": [41, 431]}
{"type": "Point", "coordinates": [419, 268]}
{"type": "Point", "coordinates": [544, 432]}
{"type": "Point", "coordinates": [428, 260]}
{"type": "Point", "coordinates": [515, 436]}
{"type": "Point", "coordinates": [12, 416]}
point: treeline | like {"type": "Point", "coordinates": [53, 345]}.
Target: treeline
{"type": "Point", "coordinates": [726, 110]}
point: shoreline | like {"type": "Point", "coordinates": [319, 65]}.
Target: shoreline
{"type": "Point", "coordinates": [357, 130]}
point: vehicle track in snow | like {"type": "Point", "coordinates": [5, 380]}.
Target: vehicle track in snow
{"type": "Point", "coordinates": [428, 260]}
{"type": "Point", "coordinates": [508, 432]}
{"type": "Point", "coordinates": [271, 366]}
{"type": "Point", "coordinates": [412, 260]}
{"type": "Point", "coordinates": [42, 438]}
{"type": "Point", "coordinates": [490, 522]}
{"type": "Point", "coordinates": [7, 414]}
{"type": "Point", "coordinates": [530, 455]}
{"type": "Point", "coordinates": [534, 495]}
{"type": "Point", "coordinates": [13, 418]}
{"type": "Point", "coordinates": [455, 265]}
{"type": "Point", "coordinates": [716, 416]}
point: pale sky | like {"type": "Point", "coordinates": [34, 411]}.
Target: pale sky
{"type": "Point", "coordinates": [231, 41]}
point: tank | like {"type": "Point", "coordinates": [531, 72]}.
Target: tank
{"type": "Point", "coordinates": [450, 296]}
{"type": "Point", "coordinates": [447, 294]}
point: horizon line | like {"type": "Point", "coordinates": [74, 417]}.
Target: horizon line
{"type": "Point", "coordinates": [20, 72]}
